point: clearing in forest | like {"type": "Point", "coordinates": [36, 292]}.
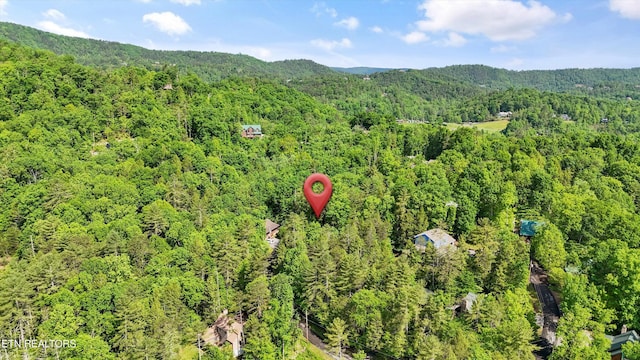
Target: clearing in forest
{"type": "Point", "coordinates": [490, 126]}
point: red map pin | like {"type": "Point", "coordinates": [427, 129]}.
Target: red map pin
{"type": "Point", "coordinates": [318, 201]}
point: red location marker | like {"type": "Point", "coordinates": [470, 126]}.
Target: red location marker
{"type": "Point", "coordinates": [318, 201]}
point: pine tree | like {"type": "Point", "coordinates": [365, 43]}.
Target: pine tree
{"type": "Point", "coordinates": [337, 337]}
{"type": "Point", "coordinates": [130, 336]}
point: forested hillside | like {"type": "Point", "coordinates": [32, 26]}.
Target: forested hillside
{"type": "Point", "coordinates": [360, 70]}
{"type": "Point", "coordinates": [132, 214]}
{"type": "Point", "coordinates": [406, 86]}
{"type": "Point", "coordinates": [208, 65]}
{"type": "Point", "coordinates": [555, 80]}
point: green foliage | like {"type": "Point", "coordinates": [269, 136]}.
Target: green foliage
{"type": "Point", "coordinates": [259, 344]}
{"type": "Point", "coordinates": [337, 337]}
{"type": "Point", "coordinates": [582, 80]}
{"type": "Point", "coordinates": [133, 216]}
{"type": "Point", "coordinates": [547, 246]}
{"type": "Point", "coordinates": [631, 350]}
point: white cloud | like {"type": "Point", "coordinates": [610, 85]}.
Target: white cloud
{"type": "Point", "coordinates": [185, 2]}
{"type": "Point", "coordinates": [376, 29]}
{"type": "Point", "coordinates": [219, 45]}
{"type": "Point", "coordinates": [502, 49]}
{"type": "Point", "coordinates": [515, 63]}
{"type": "Point", "coordinates": [330, 45]}
{"type": "Point", "coordinates": [54, 14]}
{"type": "Point", "coordinates": [50, 26]}
{"type": "Point", "coordinates": [3, 5]}
{"type": "Point", "coordinates": [498, 20]}
{"type": "Point", "coordinates": [350, 23]}
{"type": "Point", "coordinates": [415, 37]}
{"type": "Point", "coordinates": [455, 40]}
{"type": "Point", "coordinates": [167, 22]}
{"type": "Point", "coordinates": [144, 1]}
{"type": "Point", "coordinates": [256, 51]}
{"type": "Point", "coordinates": [626, 8]}
{"type": "Point", "coordinates": [320, 8]}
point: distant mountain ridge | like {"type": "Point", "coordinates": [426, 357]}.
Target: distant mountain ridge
{"type": "Point", "coordinates": [208, 65]}
{"type": "Point", "coordinates": [361, 70]}
{"type": "Point", "coordinates": [428, 84]}
{"type": "Point", "coordinates": [552, 80]}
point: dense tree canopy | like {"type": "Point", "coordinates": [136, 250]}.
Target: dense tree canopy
{"type": "Point", "coordinates": [133, 215]}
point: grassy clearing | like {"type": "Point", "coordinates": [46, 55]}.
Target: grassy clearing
{"type": "Point", "coordinates": [188, 352]}
{"type": "Point", "coordinates": [490, 126]}
{"type": "Point", "coordinates": [311, 352]}
{"type": "Point", "coordinates": [317, 353]}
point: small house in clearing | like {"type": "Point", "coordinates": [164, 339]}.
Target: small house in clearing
{"type": "Point", "coordinates": [615, 350]}
{"type": "Point", "coordinates": [440, 239]}
{"type": "Point", "coordinates": [251, 131]}
{"type": "Point", "coordinates": [224, 330]}
{"type": "Point", "coordinates": [272, 231]}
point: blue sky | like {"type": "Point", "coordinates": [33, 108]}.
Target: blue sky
{"type": "Point", "coordinates": [509, 34]}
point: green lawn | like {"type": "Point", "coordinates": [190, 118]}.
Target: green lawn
{"type": "Point", "coordinates": [311, 352]}
{"type": "Point", "coordinates": [490, 126]}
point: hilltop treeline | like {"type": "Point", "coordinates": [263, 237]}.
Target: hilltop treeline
{"type": "Point", "coordinates": [409, 92]}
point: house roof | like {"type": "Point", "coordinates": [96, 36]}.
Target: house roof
{"type": "Point", "coordinates": [439, 237]}
{"type": "Point", "coordinates": [223, 329]}
{"type": "Point", "coordinates": [210, 336]}
{"type": "Point", "coordinates": [222, 320]}
{"type": "Point", "coordinates": [234, 334]}
{"type": "Point", "coordinates": [618, 340]}
{"type": "Point", "coordinates": [257, 129]}
{"type": "Point", "coordinates": [270, 226]}
{"type": "Point", "coordinates": [469, 300]}
{"type": "Point", "coordinates": [528, 227]}
{"type": "Point", "coordinates": [471, 297]}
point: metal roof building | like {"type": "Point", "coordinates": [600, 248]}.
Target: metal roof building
{"type": "Point", "coordinates": [438, 237]}
{"type": "Point", "coordinates": [528, 227]}
{"type": "Point", "coordinates": [616, 343]}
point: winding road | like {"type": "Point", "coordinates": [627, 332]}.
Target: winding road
{"type": "Point", "coordinates": [550, 310]}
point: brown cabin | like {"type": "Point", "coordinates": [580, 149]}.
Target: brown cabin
{"type": "Point", "coordinates": [251, 131]}
{"type": "Point", "coordinates": [272, 229]}
{"type": "Point", "coordinates": [271, 232]}
{"type": "Point", "coordinates": [225, 329]}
